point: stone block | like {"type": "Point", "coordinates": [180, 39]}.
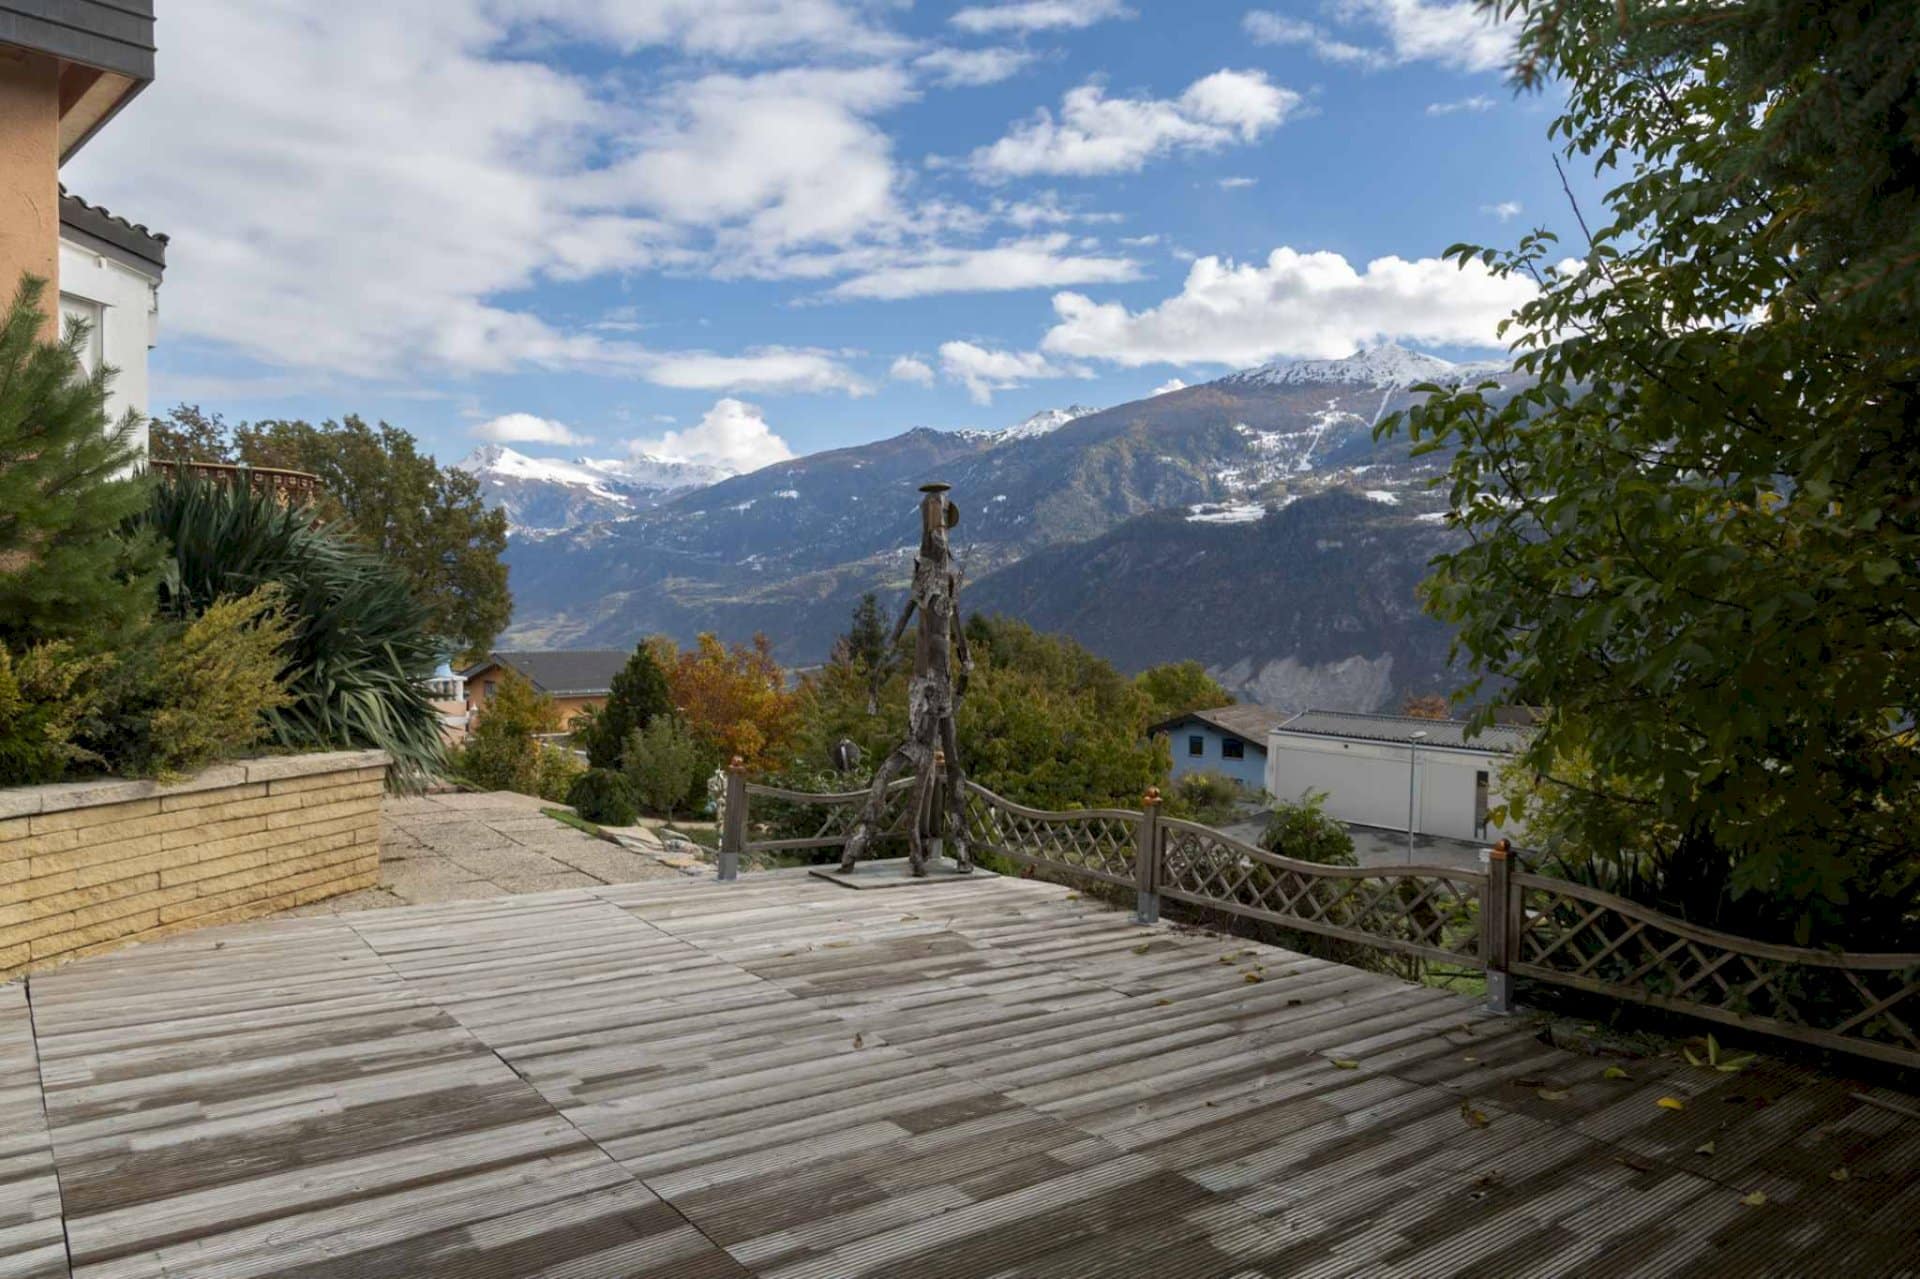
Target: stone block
{"type": "Point", "coordinates": [207, 797]}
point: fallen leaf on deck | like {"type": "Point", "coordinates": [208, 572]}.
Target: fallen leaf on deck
{"type": "Point", "coordinates": [1704, 1148]}
{"type": "Point", "coordinates": [1755, 1199]}
{"type": "Point", "coordinates": [1470, 1059]}
{"type": "Point", "coordinates": [1226, 959]}
{"type": "Point", "coordinates": [836, 945]}
{"type": "Point", "coordinates": [1614, 1072]}
{"type": "Point", "coordinates": [1252, 977]}
{"type": "Point", "coordinates": [1162, 1001]}
{"type": "Point", "coordinates": [1552, 1094]}
{"type": "Point", "coordinates": [1073, 897]}
{"type": "Point", "coordinates": [859, 1040]}
{"type": "Point", "coordinates": [1671, 1103]}
{"type": "Point", "coordinates": [1295, 1003]}
{"type": "Point", "coordinates": [1345, 1063]}
{"type": "Point", "coordinates": [1474, 1118]}
{"type": "Point", "coordinates": [905, 918]}
{"type": "Point", "coordinates": [1634, 1162]}
{"type": "Point", "coordinates": [1143, 948]}
{"type": "Point", "coordinates": [1838, 1174]}
{"type": "Point", "coordinates": [1488, 1179]}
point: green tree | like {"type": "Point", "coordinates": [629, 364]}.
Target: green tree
{"type": "Point", "coordinates": [867, 646]}
{"type": "Point", "coordinates": [638, 696]}
{"type": "Point", "coordinates": [662, 762]}
{"type": "Point", "coordinates": [1695, 539]}
{"type": "Point", "coordinates": [68, 483]}
{"type": "Point", "coordinates": [189, 434]}
{"type": "Point", "coordinates": [502, 752]}
{"type": "Point", "coordinates": [427, 520]}
{"type": "Point", "coordinates": [1044, 722]}
{"type": "Point", "coordinates": [1174, 688]}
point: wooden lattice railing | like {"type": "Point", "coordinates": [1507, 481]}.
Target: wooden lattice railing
{"type": "Point", "coordinates": [1591, 940]}
{"type": "Point", "coordinates": [1500, 921]}
{"type": "Point", "coordinates": [1432, 912]}
{"type": "Point", "coordinates": [837, 812]}
{"type": "Point", "coordinates": [1100, 843]}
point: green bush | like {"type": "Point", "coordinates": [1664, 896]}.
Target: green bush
{"type": "Point", "coordinates": [1305, 833]}
{"type": "Point", "coordinates": [360, 653]}
{"type": "Point", "coordinates": [201, 690]}
{"type": "Point", "coordinates": [604, 797]}
{"type": "Point", "coordinates": [1210, 798]}
{"type": "Point", "coordinates": [555, 771]}
{"type": "Point", "coordinates": [49, 696]}
{"type": "Point", "coordinates": [663, 761]}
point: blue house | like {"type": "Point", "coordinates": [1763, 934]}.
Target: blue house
{"type": "Point", "coordinates": [1227, 739]}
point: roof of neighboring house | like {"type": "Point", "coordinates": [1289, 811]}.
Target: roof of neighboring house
{"type": "Point", "coordinates": [561, 672]}
{"type": "Point", "coordinates": [129, 242]}
{"type": "Point", "coordinates": [1245, 719]}
{"type": "Point", "coordinates": [1400, 729]}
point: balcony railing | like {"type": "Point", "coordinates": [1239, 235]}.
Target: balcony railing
{"type": "Point", "coordinates": [293, 488]}
{"type": "Point", "coordinates": [1502, 921]}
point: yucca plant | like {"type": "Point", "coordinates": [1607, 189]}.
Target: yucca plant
{"type": "Point", "coordinates": [361, 649]}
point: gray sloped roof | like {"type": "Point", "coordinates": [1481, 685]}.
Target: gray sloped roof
{"type": "Point", "coordinates": [112, 234]}
{"type": "Point", "coordinates": [561, 672]}
{"type": "Point", "coordinates": [1245, 719]}
{"type": "Point", "coordinates": [1401, 728]}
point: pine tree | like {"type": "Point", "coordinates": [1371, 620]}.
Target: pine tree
{"type": "Point", "coordinates": [639, 693]}
{"type": "Point", "coordinates": [67, 483]}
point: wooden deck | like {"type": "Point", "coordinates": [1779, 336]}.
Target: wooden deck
{"type": "Point", "coordinates": [781, 1077]}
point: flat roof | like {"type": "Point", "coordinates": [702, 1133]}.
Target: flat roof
{"type": "Point", "coordinates": [1400, 730]}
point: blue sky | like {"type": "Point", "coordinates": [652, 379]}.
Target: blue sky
{"type": "Point", "coordinates": [734, 229]}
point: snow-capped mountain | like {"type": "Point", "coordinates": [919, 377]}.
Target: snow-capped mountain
{"type": "Point", "coordinates": [1382, 367]}
{"type": "Point", "coordinates": [1045, 422]}
{"type": "Point", "coordinates": [541, 494]}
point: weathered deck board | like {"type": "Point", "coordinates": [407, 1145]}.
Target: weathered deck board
{"type": "Point", "coordinates": [31, 1244]}
{"type": "Point", "coordinates": [779, 1077]}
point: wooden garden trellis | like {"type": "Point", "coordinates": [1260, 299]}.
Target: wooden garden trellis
{"type": "Point", "coordinates": [1500, 921]}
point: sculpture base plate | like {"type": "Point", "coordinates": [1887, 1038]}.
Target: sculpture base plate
{"type": "Point", "coordinates": [893, 872]}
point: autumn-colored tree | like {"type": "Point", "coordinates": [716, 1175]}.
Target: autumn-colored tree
{"type": "Point", "coordinates": [735, 699]}
{"type": "Point", "coordinates": [1425, 706]}
{"type": "Point", "coordinates": [1174, 688]}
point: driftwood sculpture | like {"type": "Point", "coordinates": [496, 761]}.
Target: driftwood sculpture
{"type": "Point", "coordinates": [933, 695]}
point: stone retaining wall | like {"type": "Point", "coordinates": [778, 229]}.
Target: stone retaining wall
{"type": "Point", "coordinates": [86, 866]}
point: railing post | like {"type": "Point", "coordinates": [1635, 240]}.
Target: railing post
{"type": "Point", "coordinates": [733, 826]}
{"type": "Point", "coordinates": [1146, 859]}
{"type": "Point", "coordinates": [1496, 935]}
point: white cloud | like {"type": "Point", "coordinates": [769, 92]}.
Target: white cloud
{"type": "Point", "coordinates": [911, 369]}
{"type": "Point", "coordinates": [1169, 386]}
{"type": "Point", "coordinates": [964, 68]}
{"type": "Point", "coordinates": [1040, 262]}
{"type": "Point", "coordinates": [1038, 15]}
{"type": "Point", "coordinates": [1096, 134]}
{"type": "Point", "coordinates": [775, 159]}
{"type": "Point", "coordinates": [1237, 184]}
{"type": "Point", "coordinates": [525, 428]}
{"type": "Point", "coordinates": [1452, 33]}
{"type": "Point", "coordinates": [1506, 210]}
{"type": "Point", "coordinates": [725, 28]}
{"type": "Point", "coordinates": [983, 370]}
{"type": "Point", "coordinates": [733, 434]}
{"type": "Point", "coordinates": [1478, 102]}
{"type": "Point", "coordinates": [378, 233]}
{"type": "Point", "coordinates": [770, 369]}
{"type": "Point", "coordinates": [1274, 28]}
{"type": "Point", "coordinates": [1293, 305]}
